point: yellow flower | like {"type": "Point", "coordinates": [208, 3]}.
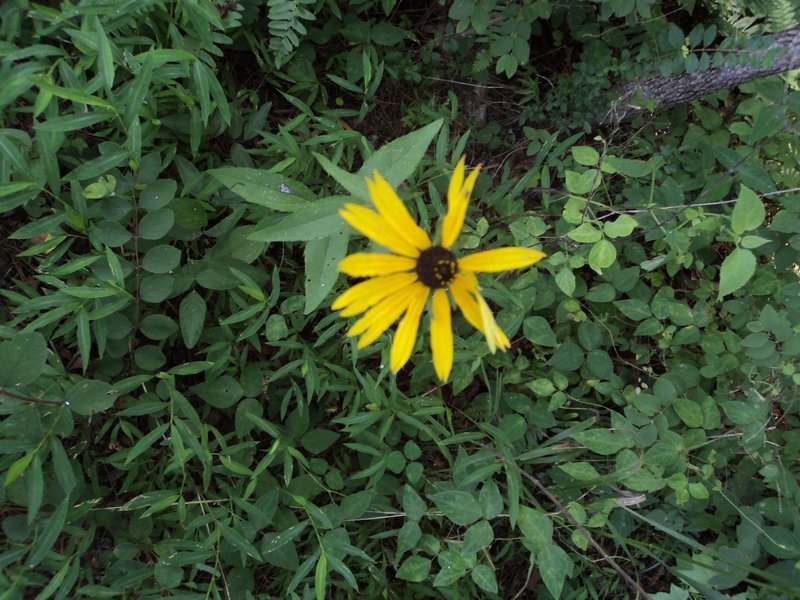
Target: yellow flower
{"type": "Point", "coordinates": [400, 283]}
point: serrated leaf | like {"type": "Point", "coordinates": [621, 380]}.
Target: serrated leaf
{"type": "Point", "coordinates": [737, 269]}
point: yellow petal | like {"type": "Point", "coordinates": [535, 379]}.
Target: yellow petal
{"type": "Point", "coordinates": [374, 226]}
{"type": "Point", "coordinates": [495, 338]}
{"type": "Point", "coordinates": [500, 259]}
{"type": "Point", "coordinates": [407, 330]}
{"type": "Point", "coordinates": [465, 289]}
{"type": "Point", "coordinates": [365, 264]}
{"type": "Point", "coordinates": [366, 294]}
{"type": "Point", "coordinates": [456, 181]}
{"type": "Point", "coordinates": [395, 213]}
{"type": "Point", "coordinates": [381, 316]}
{"type": "Point", "coordinates": [441, 335]}
{"type": "Point", "coordinates": [458, 195]}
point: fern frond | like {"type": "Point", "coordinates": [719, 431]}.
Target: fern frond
{"type": "Point", "coordinates": [286, 28]}
{"type": "Point", "coordinates": [482, 61]}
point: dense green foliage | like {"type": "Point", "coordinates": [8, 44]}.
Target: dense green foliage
{"type": "Point", "coordinates": [182, 416]}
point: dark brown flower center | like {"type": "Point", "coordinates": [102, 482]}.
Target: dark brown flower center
{"type": "Point", "coordinates": [436, 267]}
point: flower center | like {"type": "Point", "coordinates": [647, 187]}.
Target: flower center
{"type": "Point", "coordinates": [436, 267]}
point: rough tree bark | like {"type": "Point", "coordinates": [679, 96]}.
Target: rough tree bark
{"type": "Point", "coordinates": [674, 90]}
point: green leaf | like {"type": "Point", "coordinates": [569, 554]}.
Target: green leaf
{"type": "Point", "coordinates": [18, 467]}
{"type": "Point", "coordinates": [105, 61]}
{"type": "Point", "coordinates": [622, 226]}
{"type": "Point", "coordinates": [319, 219]}
{"type": "Point", "coordinates": [628, 167]}
{"type": "Point", "coordinates": [62, 466]}
{"type": "Point", "coordinates": [535, 526]}
{"type": "Point", "coordinates": [322, 258]}
{"type": "Point", "coordinates": [90, 396]}
{"type": "Point", "coordinates": [83, 336]}
{"type": "Point", "coordinates": [145, 443]}
{"type": "Point", "coordinates": [689, 411]}
{"type": "Point", "coordinates": [192, 316]}
{"type": "Point", "coordinates": [633, 309]}
{"type": "Point", "coordinates": [602, 255]}
{"type": "Point", "coordinates": [740, 413]}
{"type": "Point", "coordinates": [74, 122]}
{"type": "Point", "coordinates": [263, 188]}
{"type": "Point", "coordinates": [100, 165]}
{"type": "Point", "coordinates": [414, 568]}
{"type": "Point", "coordinates": [582, 471]}
{"type": "Point", "coordinates": [768, 121]}
{"type": "Point", "coordinates": [538, 330]}
{"type": "Point", "coordinates": [222, 392]}
{"type": "Point", "coordinates": [237, 540]}
{"type": "Point", "coordinates": [355, 184]}
{"type": "Point", "coordinates": [111, 233]}
{"type": "Point", "coordinates": [748, 212]}
{"type": "Point", "coordinates": [137, 92]}
{"type": "Point", "coordinates": [408, 536]}
{"type": "Point", "coordinates": [74, 95]}
{"type": "Point", "coordinates": [600, 364]}
{"type": "Point", "coordinates": [158, 327]}
{"type": "Point", "coordinates": [585, 155]}
{"type": "Point", "coordinates": [603, 441]}
{"type": "Point", "coordinates": [460, 507]}
{"type": "Point", "coordinates": [276, 328]}
{"type": "Point", "coordinates": [22, 360]}
{"type": "Point", "coordinates": [585, 233]}
{"type": "Point", "coordinates": [491, 500]}
{"type": "Point", "coordinates": [397, 160]}
{"type": "Point", "coordinates": [158, 194]}
{"type": "Point", "coordinates": [156, 224]}
{"type": "Point", "coordinates": [321, 576]}
{"type": "Point", "coordinates": [484, 578]}
{"type": "Point", "coordinates": [581, 183]}
{"type": "Point", "coordinates": [567, 357]}
{"type": "Point", "coordinates": [737, 269]}
{"type": "Point", "coordinates": [48, 535]}
{"type": "Point", "coordinates": [413, 505]}
{"type": "Point", "coordinates": [565, 280]}
{"type": "Point", "coordinates": [478, 536]}
{"type": "Point", "coordinates": [554, 566]}
{"type": "Point", "coordinates": [161, 259]}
